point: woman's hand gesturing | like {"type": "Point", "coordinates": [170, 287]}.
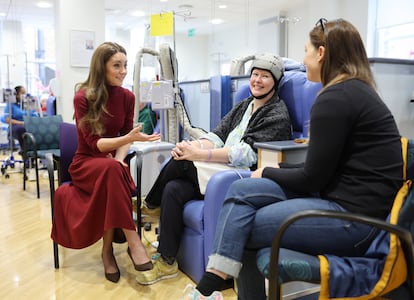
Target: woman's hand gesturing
{"type": "Point", "coordinates": [138, 136]}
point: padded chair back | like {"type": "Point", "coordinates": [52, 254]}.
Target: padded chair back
{"type": "Point", "coordinates": [299, 95]}
{"type": "Point", "coordinates": [242, 93]}
{"type": "Point", "coordinates": [45, 131]}
{"type": "Point", "coordinates": [68, 145]}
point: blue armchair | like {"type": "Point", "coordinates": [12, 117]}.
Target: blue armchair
{"type": "Point", "coordinates": [200, 217]}
{"type": "Point", "coordinates": [299, 94]}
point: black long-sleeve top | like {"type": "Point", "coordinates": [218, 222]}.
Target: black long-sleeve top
{"type": "Point", "coordinates": [354, 155]}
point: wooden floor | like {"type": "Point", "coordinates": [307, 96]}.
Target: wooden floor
{"type": "Point", "coordinates": [26, 256]}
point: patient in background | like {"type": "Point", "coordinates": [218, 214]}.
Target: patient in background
{"type": "Point", "coordinates": [13, 114]}
{"type": "Point", "coordinates": [147, 117]}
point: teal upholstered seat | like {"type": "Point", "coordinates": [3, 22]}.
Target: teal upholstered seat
{"type": "Point", "coordinates": [293, 265]}
{"type": "Point", "coordinates": [41, 137]}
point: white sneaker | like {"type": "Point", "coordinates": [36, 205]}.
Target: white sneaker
{"type": "Point", "coordinates": [191, 293]}
{"type": "Point", "coordinates": [155, 244]}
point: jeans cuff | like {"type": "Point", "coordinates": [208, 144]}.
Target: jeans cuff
{"type": "Point", "coordinates": [224, 264]}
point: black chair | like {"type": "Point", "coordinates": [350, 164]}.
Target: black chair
{"type": "Point", "coordinates": [68, 145]}
{"type": "Point", "coordinates": [41, 137]}
{"type": "Point", "coordinates": [390, 257]}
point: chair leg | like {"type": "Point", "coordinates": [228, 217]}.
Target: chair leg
{"type": "Point", "coordinates": [50, 162]}
{"type": "Point", "coordinates": [139, 161]}
{"type": "Point", "coordinates": [37, 179]}
{"type": "Point", "coordinates": [139, 216]}
{"type": "Point", "coordinates": [24, 173]}
{"type": "Point", "coordinates": [56, 255]}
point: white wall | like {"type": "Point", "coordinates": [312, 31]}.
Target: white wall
{"type": "Point", "coordinates": [191, 55]}
{"type": "Point", "coordinates": [12, 55]}
{"type": "Point", "coordinates": [395, 85]}
{"type": "Point", "coordinates": [355, 11]}
{"type": "Point", "coordinates": [389, 10]}
{"type": "Point", "coordinates": [74, 15]}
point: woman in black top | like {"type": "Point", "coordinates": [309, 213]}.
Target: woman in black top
{"type": "Point", "coordinates": [354, 163]}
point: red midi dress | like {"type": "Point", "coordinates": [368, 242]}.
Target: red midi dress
{"type": "Point", "coordinates": [99, 196]}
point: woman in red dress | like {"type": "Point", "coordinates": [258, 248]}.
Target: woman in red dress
{"type": "Point", "coordinates": [98, 201]}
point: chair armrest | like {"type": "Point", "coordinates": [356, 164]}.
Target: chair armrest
{"type": "Point", "coordinates": [129, 156]}
{"type": "Point", "coordinates": [216, 191]}
{"type": "Point", "coordinates": [137, 193]}
{"type": "Point", "coordinates": [28, 139]}
{"type": "Point", "coordinates": [288, 151]}
{"type": "Point", "coordinates": [403, 234]}
{"type": "Point", "coordinates": [50, 165]}
{"type": "Point", "coordinates": [127, 160]}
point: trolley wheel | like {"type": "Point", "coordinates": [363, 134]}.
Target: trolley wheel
{"type": "Point", "coordinates": [7, 176]}
{"type": "Point", "coordinates": [12, 166]}
{"type": "Point", "coordinates": [147, 226]}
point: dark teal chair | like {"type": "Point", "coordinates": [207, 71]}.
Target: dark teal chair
{"type": "Point", "coordinates": [41, 137]}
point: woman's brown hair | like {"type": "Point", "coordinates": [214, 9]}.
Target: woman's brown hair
{"type": "Point", "coordinates": [96, 92]}
{"type": "Point", "coordinates": [345, 56]}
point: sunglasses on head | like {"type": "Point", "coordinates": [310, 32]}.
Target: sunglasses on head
{"type": "Point", "coordinates": [321, 22]}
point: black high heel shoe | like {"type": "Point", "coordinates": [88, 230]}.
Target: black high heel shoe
{"type": "Point", "coordinates": [142, 267]}
{"type": "Point", "coordinates": [113, 277]}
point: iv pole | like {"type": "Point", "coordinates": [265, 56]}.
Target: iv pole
{"type": "Point", "coordinates": [171, 118]}
{"type": "Point", "coordinates": [9, 161]}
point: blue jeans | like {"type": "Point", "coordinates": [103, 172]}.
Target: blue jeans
{"type": "Point", "coordinates": [251, 214]}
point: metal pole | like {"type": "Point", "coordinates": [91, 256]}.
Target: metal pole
{"type": "Point", "coordinates": [174, 30]}
{"type": "Point", "coordinates": [8, 71]}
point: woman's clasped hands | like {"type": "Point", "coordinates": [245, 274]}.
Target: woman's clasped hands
{"type": "Point", "coordinates": [186, 150]}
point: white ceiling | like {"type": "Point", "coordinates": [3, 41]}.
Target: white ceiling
{"type": "Point", "coordinates": [197, 16]}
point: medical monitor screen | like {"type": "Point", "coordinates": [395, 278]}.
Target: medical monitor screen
{"type": "Point", "coordinates": [9, 96]}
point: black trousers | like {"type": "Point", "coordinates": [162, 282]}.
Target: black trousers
{"type": "Point", "coordinates": [176, 184]}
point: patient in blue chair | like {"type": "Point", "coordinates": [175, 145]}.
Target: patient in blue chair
{"type": "Point", "coordinates": [13, 115]}
{"type": "Point", "coordinates": [260, 117]}
{"type": "Point", "coordinates": [354, 164]}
